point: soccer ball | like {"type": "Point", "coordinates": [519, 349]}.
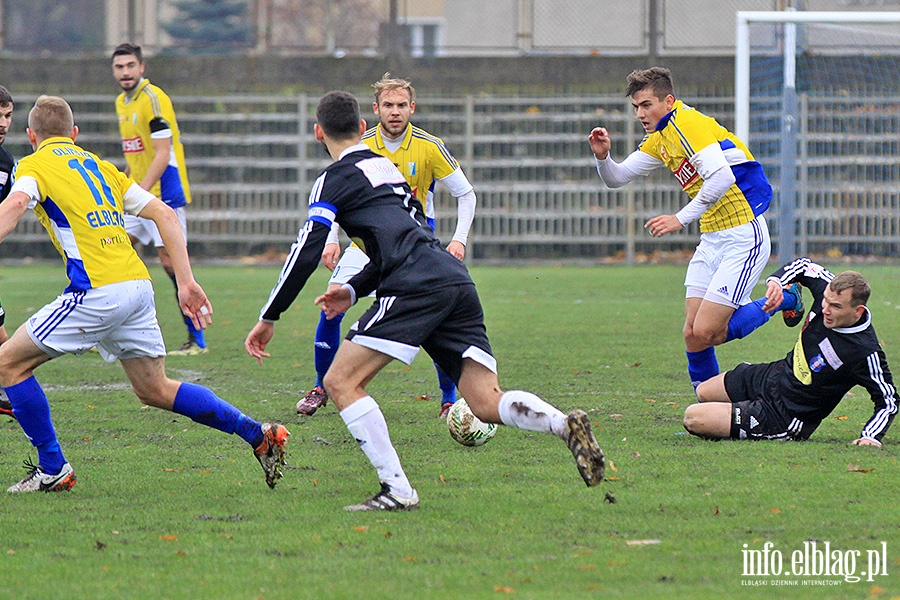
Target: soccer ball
{"type": "Point", "coordinates": [466, 428]}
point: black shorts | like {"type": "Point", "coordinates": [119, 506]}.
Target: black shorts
{"type": "Point", "coordinates": [757, 412]}
{"type": "Point", "coordinates": [448, 323]}
{"type": "Point", "coordinates": [2, 316]}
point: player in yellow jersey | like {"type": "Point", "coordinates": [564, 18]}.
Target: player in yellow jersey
{"type": "Point", "coordinates": [729, 194]}
{"type": "Point", "coordinates": [81, 200]}
{"type": "Point", "coordinates": [154, 154]}
{"type": "Point", "coordinates": [424, 160]}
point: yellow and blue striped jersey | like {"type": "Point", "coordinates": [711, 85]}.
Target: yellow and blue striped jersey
{"type": "Point", "coordinates": [81, 205]}
{"type": "Point", "coordinates": [142, 113]}
{"type": "Point", "coordinates": [422, 158]}
{"type": "Point", "coordinates": [684, 132]}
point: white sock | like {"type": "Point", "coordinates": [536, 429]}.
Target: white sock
{"type": "Point", "coordinates": [366, 423]}
{"type": "Point", "coordinates": [524, 410]}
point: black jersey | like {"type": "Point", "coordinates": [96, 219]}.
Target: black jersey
{"type": "Point", "coordinates": [371, 201]}
{"type": "Point", "coordinates": [826, 363]}
{"type": "Point", "coordinates": [7, 162]}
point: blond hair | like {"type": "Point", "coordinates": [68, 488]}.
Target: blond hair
{"type": "Point", "coordinates": [51, 117]}
{"type": "Point", "coordinates": [392, 83]}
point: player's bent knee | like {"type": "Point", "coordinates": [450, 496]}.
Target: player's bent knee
{"type": "Point", "coordinates": [157, 394]}
{"type": "Point", "coordinates": [710, 421]}
{"type": "Point", "coordinates": [331, 384]}
{"type": "Point", "coordinates": [336, 386]}
{"type": "Point", "coordinates": [708, 337]}
{"type": "Point", "coordinates": [694, 422]}
{"type": "Point", "coordinates": [482, 406]}
{"type": "Point", "coordinates": [144, 396]}
{"type": "Point", "coordinates": [703, 392]}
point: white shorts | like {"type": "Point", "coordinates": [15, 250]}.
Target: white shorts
{"type": "Point", "coordinates": [119, 319]}
{"type": "Point", "coordinates": [352, 262]}
{"type": "Point", "coordinates": [145, 231]}
{"type": "Point", "coordinates": [727, 264]}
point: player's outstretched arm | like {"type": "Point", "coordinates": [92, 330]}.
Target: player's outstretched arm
{"type": "Point", "coordinates": [257, 340]}
{"type": "Point", "coordinates": [11, 211]}
{"type": "Point", "coordinates": [194, 303]}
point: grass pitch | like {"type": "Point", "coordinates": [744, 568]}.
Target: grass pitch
{"type": "Point", "coordinates": [166, 508]}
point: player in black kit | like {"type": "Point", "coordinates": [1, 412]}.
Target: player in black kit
{"type": "Point", "coordinates": [425, 298]}
{"type": "Point", "coordinates": [788, 399]}
{"type": "Point", "coordinates": [7, 162]}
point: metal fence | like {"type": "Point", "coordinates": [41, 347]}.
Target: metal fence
{"type": "Point", "coordinates": [252, 159]}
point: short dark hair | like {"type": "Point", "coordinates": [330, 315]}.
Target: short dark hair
{"type": "Point", "coordinates": [5, 96]}
{"type": "Point", "coordinates": [129, 48]}
{"type": "Point", "coordinates": [338, 115]}
{"type": "Point", "coordinates": [657, 79]}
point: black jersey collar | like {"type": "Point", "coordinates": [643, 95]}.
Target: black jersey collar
{"type": "Point", "coordinates": [354, 148]}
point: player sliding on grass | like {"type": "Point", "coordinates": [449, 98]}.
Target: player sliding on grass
{"type": "Point", "coordinates": [425, 298]}
{"type": "Point", "coordinates": [729, 194]}
{"type": "Point", "coordinates": [789, 398]}
{"type": "Point", "coordinates": [81, 200]}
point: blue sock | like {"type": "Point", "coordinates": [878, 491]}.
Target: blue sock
{"type": "Point", "coordinates": [32, 410]}
{"type": "Point", "coordinates": [747, 318]}
{"type": "Point", "coordinates": [194, 333]}
{"type": "Point", "coordinates": [702, 365]}
{"type": "Point", "coordinates": [448, 388]}
{"type": "Point", "coordinates": [788, 302]}
{"type": "Point", "coordinates": [328, 338]}
{"type": "Point", "coordinates": [204, 407]}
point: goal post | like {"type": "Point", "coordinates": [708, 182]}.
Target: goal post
{"type": "Point", "coordinates": [742, 47]}
{"type": "Point", "coordinates": [793, 67]}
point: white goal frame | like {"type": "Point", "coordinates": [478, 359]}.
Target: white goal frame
{"type": "Point", "coordinates": [790, 118]}
{"type": "Point", "coordinates": [790, 17]}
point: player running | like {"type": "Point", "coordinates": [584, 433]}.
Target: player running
{"type": "Point", "coordinates": [729, 194]}
{"type": "Point", "coordinates": [425, 298]}
{"type": "Point", "coordinates": [81, 201]}
{"type": "Point", "coordinates": [423, 159]}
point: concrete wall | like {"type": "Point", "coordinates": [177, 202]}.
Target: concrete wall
{"type": "Point", "coordinates": [193, 75]}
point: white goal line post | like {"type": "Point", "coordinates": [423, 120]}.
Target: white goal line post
{"type": "Point", "coordinates": [742, 49]}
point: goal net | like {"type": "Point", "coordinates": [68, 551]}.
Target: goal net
{"type": "Point", "coordinates": [817, 97]}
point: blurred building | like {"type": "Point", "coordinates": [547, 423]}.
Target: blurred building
{"type": "Point", "coordinates": [415, 28]}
